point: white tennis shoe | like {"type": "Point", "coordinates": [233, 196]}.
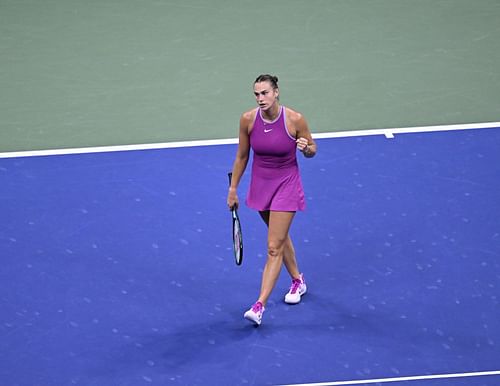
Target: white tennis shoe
{"type": "Point", "coordinates": [297, 289]}
{"type": "Point", "coordinates": [254, 314]}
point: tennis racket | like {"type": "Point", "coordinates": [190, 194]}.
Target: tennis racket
{"type": "Point", "coordinates": [237, 235]}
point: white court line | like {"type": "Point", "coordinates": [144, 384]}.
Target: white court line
{"type": "Point", "coordinates": [107, 149]}
{"type": "Point", "coordinates": [388, 133]}
{"type": "Point", "coordinates": [400, 379]}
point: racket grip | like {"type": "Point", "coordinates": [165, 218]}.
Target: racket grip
{"type": "Point", "coordinates": [230, 176]}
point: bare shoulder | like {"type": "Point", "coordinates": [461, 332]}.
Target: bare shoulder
{"type": "Point", "coordinates": [246, 121]}
{"type": "Point", "coordinates": [249, 115]}
{"type": "Point", "coordinates": [293, 115]}
{"type": "Point", "coordinates": [296, 123]}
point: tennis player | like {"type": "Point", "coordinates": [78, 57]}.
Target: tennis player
{"type": "Point", "coordinates": [274, 133]}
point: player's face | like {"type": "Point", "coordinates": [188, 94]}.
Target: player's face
{"type": "Point", "coordinates": [265, 95]}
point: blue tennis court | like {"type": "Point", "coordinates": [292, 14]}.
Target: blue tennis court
{"type": "Point", "coordinates": [117, 267]}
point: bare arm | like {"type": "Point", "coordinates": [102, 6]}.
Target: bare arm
{"type": "Point", "coordinates": [305, 141]}
{"type": "Point", "coordinates": [241, 160]}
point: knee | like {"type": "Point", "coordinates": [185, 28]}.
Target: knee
{"type": "Point", "coordinates": [275, 250]}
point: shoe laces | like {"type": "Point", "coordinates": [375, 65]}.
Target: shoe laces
{"type": "Point", "coordinates": [257, 307]}
{"type": "Point", "coordinates": [295, 285]}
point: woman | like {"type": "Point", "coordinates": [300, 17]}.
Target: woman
{"type": "Point", "coordinates": [274, 133]}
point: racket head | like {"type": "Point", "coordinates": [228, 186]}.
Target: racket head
{"type": "Point", "coordinates": [237, 238]}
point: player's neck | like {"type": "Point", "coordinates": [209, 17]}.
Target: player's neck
{"type": "Point", "coordinates": [272, 113]}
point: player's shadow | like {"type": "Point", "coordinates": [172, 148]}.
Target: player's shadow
{"type": "Point", "coordinates": [194, 343]}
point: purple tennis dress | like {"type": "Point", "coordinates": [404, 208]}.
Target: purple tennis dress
{"type": "Point", "coordinates": [275, 183]}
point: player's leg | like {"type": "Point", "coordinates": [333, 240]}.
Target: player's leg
{"type": "Point", "coordinates": [290, 260]}
{"type": "Point", "coordinates": [288, 253]}
{"type": "Point", "coordinates": [278, 227]}
{"type": "Point", "coordinates": [278, 224]}
{"type": "Point", "coordinates": [298, 286]}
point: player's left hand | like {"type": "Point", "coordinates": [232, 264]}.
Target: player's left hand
{"type": "Point", "coordinates": [302, 144]}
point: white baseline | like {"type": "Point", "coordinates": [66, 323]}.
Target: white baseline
{"type": "Point", "coordinates": [400, 379]}
{"type": "Point", "coordinates": [388, 133]}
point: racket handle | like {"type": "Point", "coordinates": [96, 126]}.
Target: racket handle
{"type": "Point", "coordinates": [230, 175]}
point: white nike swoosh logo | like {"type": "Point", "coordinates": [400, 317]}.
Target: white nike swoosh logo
{"type": "Point", "coordinates": [267, 130]}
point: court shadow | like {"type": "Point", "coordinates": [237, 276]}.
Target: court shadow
{"type": "Point", "coordinates": [198, 343]}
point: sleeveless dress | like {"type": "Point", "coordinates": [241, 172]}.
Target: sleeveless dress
{"type": "Point", "coordinates": [275, 182]}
